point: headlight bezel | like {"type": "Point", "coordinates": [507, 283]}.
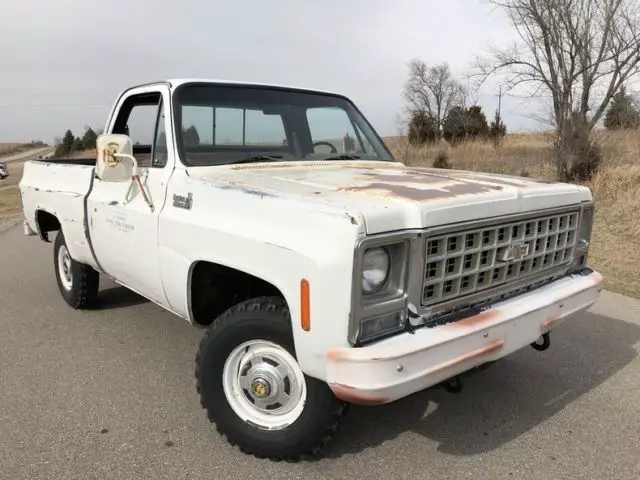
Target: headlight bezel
{"type": "Point", "coordinates": [391, 297]}
{"type": "Point", "coordinates": [583, 235]}
{"type": "Point", "coordinates": [587, 215]}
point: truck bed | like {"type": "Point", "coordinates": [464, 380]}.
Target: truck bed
{"type": "Point", "coordinates": [59, 187]}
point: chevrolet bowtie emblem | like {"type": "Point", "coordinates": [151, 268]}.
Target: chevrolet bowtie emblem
{"type": "Point", "coordinates": [515, 252]}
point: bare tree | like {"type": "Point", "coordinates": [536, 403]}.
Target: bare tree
{"type": "Point", "coordinates": [579, 52]}
{"type": "Point", "coordinates": [432, 91]}
{"type": "Point", "coordinates": [468, 102]}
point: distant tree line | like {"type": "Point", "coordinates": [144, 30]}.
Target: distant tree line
{"type": "Point", "coordinates": [70, 144]}
{"type": "Point", "coordinates": [440, 107]}
{"type": "Point", "coordinates": [35, 144]}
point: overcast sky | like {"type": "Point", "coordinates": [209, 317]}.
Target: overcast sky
{"type": "Point", "coordinates": [64, 61]}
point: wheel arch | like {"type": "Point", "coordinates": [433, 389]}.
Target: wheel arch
{"type": "Point", "coordinates": [46, 222]}
{"type": "Point", "coordinates": [213, 287]}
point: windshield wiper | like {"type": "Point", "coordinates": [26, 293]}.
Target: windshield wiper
{"type": "Point", "coordinates": [343, 157]}
{"type": "Point", "coordinates": [259, 158]}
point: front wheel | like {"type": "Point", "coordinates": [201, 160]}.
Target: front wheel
{"type": "Point", "coordinates": [78, 283]}
{"type": "Point", "coordinates": [255, 392]}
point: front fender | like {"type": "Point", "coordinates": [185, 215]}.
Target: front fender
{"type": "Point", "coordinates": [330, 288]}
{"type": "Point", "coordinates": [278, 241]}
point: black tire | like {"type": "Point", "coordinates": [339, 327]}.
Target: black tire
{"type": "Point", "coordinates": [265, 318]}
{"type": "Point", "coordinates": [84, 280]}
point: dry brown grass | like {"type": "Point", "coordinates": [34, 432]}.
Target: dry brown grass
{"type": "Point", "coordinates": [8, 148]}
{"type": "Point", "coordinates": [9, 194]}
{"type": "Point", "coordinates": [616, 188]}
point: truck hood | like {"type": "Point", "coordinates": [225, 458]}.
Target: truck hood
{"type": "Point", "coordinates": [388, 196]}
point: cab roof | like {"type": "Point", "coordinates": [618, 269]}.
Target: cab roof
{"type": "Point", "coordinates": [176, 82]}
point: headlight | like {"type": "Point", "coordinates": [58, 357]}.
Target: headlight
{"type": "Point", "coordinates": [375, 269]}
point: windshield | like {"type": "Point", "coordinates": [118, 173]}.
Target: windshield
{"type": "Point", "coordinates": [222, 124]}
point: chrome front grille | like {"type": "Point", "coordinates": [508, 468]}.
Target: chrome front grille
{"type": "Point", "coordinates": [474, 260]}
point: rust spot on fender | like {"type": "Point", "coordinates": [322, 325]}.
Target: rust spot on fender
{"type": "Point", "coordinates": [350, 394]}
{"type": "Point", "coordinates": [479, 320]}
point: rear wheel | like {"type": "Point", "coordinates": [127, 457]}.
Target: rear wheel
{"type": "Point", "coordinates": [254, 390]}
{"type": "Point", "coordinates": [78, 283]}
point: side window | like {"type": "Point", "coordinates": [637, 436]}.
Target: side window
{"type": "Point", "coordinates": [160, 152]}
{"type": "Point", "coordinates": [141, 125]}
{"type": "Point", "coordinates": [137, 119]}
{"type": "Point", "coordinates": [332, 127]}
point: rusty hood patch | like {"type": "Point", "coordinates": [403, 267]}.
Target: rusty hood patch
{"type": "Point", "coordinates": [390, 195]}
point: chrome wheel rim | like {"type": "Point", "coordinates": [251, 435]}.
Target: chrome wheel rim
{"type": "Point", "coordinates": [264, 384]}
{"type": "Point", "coordinates": [64, 268]}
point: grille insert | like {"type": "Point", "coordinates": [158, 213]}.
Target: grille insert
{"type": "Point", "coordinates": [478, 259]}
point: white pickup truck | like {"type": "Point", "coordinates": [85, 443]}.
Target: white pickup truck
{"type": "Point", "coordinates": [325, 272]}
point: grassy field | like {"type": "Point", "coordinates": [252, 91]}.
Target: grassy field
{"type": "Point", "coordinates": [9, 195]}
{"type": "Point", "coordinates": [8, 148]}
{"type": "Point", "coordinates": [615, 247]}
{"type": "Point", "coordinates": [616, 238]}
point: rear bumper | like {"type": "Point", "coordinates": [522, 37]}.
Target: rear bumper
{"type": "Point", "coordinates": [408, 363]}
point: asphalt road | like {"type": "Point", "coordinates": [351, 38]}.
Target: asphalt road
{"type": "Point", "coordinates": [28, 155]}
{"type": "Point", "coordinates": [110, 394]}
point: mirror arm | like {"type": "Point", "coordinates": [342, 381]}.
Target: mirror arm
{"type": "Point", "coordinates": [136, 177]}
{"type": "Point", "coordinates": [133, 160]}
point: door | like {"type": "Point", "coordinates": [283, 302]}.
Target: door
{"type": "Point", "coordinates": [123, 228]}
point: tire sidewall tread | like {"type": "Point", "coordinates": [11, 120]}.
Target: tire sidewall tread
{"type": "Point", "coordinates": [85, 280]}
{"type": "Point", "coordinates": [266, 318]}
